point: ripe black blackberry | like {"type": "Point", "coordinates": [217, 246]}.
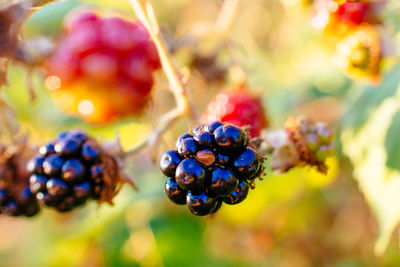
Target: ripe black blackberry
{"type": "Point", "coordinates": [16, 198]}
{"type": "Point", "coordinates": [213, 163]}
{"type": "Point", "coordinates": [72, 169]}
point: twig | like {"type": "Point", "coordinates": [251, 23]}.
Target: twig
{"type": "Point", "coordinates": [9, 121]}
{"type": "Point", "coordinates": [39, 3]}
{"type": "Point", "coordinates": [164, 122]}
{"type": "Point", "coordinates": [145, 14]}
{"type": "Point", "coordinates": [226, 17]}
{"type": "Point", "coordinates": [29, 84]}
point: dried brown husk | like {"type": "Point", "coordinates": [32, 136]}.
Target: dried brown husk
{"type": "Point", "coordinates": [113, 177]}
{"type": "Point", "coordinates": [13, 174]}
{"type": "Point", "coordinates": [294, 127]}
{"type": "Point", "coordinates": [12, 18]}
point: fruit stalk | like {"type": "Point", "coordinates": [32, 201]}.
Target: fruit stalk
{"type": "Point", "coordinates": [145, 14]}
{"type": "Point", "coordinates": [8, 121]}
{"type": "Point", "coordinates": [225, 19]}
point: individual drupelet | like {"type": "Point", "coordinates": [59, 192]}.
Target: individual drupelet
{"type": "Point", "coordinates": [72, 169]}
{"type": "Point", "coordinates": [213, 163]}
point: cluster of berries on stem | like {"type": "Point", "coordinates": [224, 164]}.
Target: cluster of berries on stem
{"type": "Point", "coordinates": [72, 169]}
{"type": "Point", "coordinates": [213, 163]}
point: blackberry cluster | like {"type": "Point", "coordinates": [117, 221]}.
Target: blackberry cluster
{"type": "Point", "coordinates": [16, 199]}
{"type": "Point", "coordinates": [70, 170]}
{"type": "Point", "coordinates": [212, 164]}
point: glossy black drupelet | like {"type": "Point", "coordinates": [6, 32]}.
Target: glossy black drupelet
{"type": "Point", "coordinates": [18, 202]}
{"type": "Point", "coordinates": [211, 165]}
{"type": "Point", "coordinates": [174, 192]}
{"type": "Point", "coordinates": [67, 172]}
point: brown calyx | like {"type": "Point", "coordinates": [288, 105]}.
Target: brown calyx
{"type": "Point", "coordinates": [13, 174]}
{"type": "Point", "coordinates": [295, 128]}
{"type": "Point", "coordinates": [111, 178]}
{"type": "Point", "coordinates": [12, 17]}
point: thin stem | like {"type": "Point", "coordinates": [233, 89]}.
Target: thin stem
{"type": "Point", "coordinates": [38, 3]}
{"type": "Point", "coordinates": [226, 17]}
{"type": "Point", "coordinates": [3, 71]}
{"type": "Point", "coordinates": [9, 121]}
{"type": "Point", "coordinates": [145, 13]}
{"type": "Point", "coordinates": [29, 84]}
{"type": "Point", "coordinates": [164, 122]}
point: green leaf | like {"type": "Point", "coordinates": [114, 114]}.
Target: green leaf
{"type": "Point", "coordinates": [380, 185]}
{"type": "Point", "coordinates": [371, 97]}
{"type": "Point", "coordinates": [392, 143]}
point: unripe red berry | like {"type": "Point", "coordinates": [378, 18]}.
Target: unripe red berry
{"type": "Point", "coordinates": [240, 108]}
{"type": "Point", "coordinates": [102, 69]}
{"type": "Point", "coordinates": [337, 18]}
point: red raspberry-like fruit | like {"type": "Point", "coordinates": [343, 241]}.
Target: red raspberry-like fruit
{"type": "Point", "coordinates": [336, 18]}
{"type": "Point", "coordinates": [240, 108]}
{"type": "Point", "coordinates": [353, 12]}
{"type": "Point", "coordinates": [102, 69]}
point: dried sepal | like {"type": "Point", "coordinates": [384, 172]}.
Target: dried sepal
{"type": "Point", "coordinates": [113, 178]}
{"type": "Point", "coordinates": [282, 151]}
{"type": "Point", "coordinates": [14, 180]}
{"type": "Point", "coordinates": [12, 18]}
{"type": "Point", "coordinates": [313, 142]}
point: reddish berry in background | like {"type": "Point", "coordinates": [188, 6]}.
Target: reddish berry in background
{"type": "Point", "coordinates": [240, 108]}
{"type": "Point", "coordinates": [333, 17]}
{"type": "Point", "coordinates": [360, 54]}
{"type": "Point", "coordinates": [353, 12]}
{"type": "Point", "coordinates": [102, 69]}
